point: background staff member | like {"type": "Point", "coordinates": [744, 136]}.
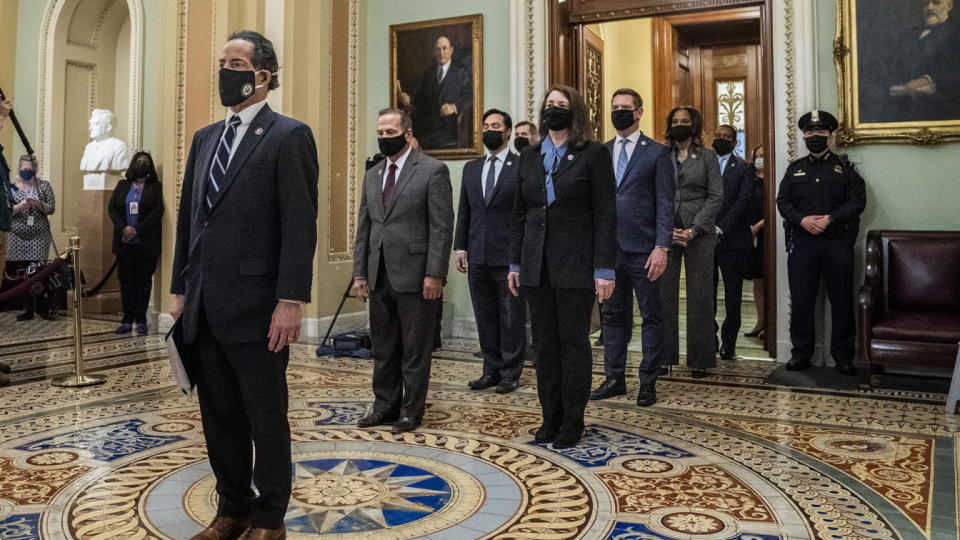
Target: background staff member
{"type": "Point", "coordinates": [29, 239]}
{"type": "Point", "coordinates": [563, 253]}
{"type": "Point", "coordinates": [136, 209]}
{"type": "Point", "coordinates": [821, 198]}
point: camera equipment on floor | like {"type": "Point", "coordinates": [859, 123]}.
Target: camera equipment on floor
{"type": "Point", "coordinates": [355, 344]}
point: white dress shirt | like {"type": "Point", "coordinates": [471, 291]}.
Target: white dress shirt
{"type": "Point", "coordinates": [501, 156]}
{"type": "Point", "coordinates": [399, 163]}
{"type": "Point", "coordinates": [246, 116]}
{"type": "Point", "coordinates": [631, 144]}
{"type": "Point", "coordinates": [444, 68]}
{"type": "Point", "coordinates": [723, 161]}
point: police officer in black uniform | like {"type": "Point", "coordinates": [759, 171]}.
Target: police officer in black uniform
{"type": "Point", "coordinates": [821, 198]}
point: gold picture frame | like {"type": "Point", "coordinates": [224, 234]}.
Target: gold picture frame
{"type": "Point", "coordinates": [417, 85]}
{"type": "Point", "coordinates": [877, 103]}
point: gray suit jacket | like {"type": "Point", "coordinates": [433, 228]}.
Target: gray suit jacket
{"type": "Point", "coordinates": [700, 189]}
{"type": "Point", "coordinates": [413, 234]}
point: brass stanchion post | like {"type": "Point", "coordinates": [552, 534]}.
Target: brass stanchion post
{"type": "Point", "coordinates": [79, 378]}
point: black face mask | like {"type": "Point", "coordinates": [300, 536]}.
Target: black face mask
{"type": "Point", "coordinates": [722, 146]}
{"type": "Point", "coordinates": [138, 170]}
{"type": "Point", "coordinates": [236, 86]}
{"type": "Point", "coordinates": [520, 143]}
{"type": "Point", "coordinates": [622, 118]}
{"type": "Point", "coordinates": [556, 118]}
{"type": "Point", "coordinates": [492, 139]}
{"type": "Point", "coordinates": [816, 143]}
{"type": "Point", "coordinates": [391, 146]}
{"type": "Point", "coordinates": [680, 133]}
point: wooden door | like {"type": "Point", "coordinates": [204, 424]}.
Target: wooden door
{"type": "Point", "coordinates": [590, 77]}
{"type": "Point", "coordinates": [677, 58]}
{"type": "Point", "coordinates": [731, 89]}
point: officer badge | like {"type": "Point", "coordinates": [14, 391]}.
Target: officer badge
{"type": "Point", "coordinates": [800, 173]}
{"type": "Point", "coordinates": [815, 116]}
{"type": "Point", "coordinates": [838, 169]}
{"type": "Point", "coordinates": [246, 90]}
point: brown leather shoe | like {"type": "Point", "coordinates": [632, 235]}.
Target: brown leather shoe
{"type": "Point", "coordinates": [5, 368]}
{"type": "Point", "coordinates": [407, 423]}
{"type": "Point", "coordinates": [223, 528]}
{"type": "Point", "coordinates": [265, 534]}
{"type": "Point", "coordinates": [376, 419]}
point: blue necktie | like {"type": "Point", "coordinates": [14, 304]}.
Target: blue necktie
{"type": "Point", "coordinates": [550, 159]}
{"type": "Point", "coordinates": [220, 161]}
{"type": "Point", "coordinates": [491, 180]}
{"type": "Point", "coordinates": [622, 161]}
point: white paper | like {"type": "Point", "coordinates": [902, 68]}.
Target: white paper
{"type": "Point", "coordinates": [179, 373]}
{"type": "Point", "coordinates": [94, 181]}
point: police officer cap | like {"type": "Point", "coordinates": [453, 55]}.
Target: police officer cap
{"type": "Point", "coordinates": [818, 120]}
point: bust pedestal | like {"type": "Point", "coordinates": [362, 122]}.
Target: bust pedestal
{"type": "Point", "coordinates": [96, 236]}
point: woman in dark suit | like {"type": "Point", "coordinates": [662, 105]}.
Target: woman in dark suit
{"type": "Point", "coordinates": [563, 251]}
{"type": "Point", "coordinates": [754, 266]}
{"type": "Point", "coordinates": [699, 196]}
{"type": "Point", "coordinates": [136, 209]}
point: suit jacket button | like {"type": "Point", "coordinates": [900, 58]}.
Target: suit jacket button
{"type": "Point", "coordinates": [206, 224]}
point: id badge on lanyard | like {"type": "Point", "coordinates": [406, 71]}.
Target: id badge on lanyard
{"type": "Point", "coordinates": [134, 208]}
{"type": "Point", "coordinates": [30, 221]}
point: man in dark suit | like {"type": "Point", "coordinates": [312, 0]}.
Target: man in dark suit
{"type": "Point", "coordinates": [483, 237]}
{"type": "Point", "coordinates": [733, 230]}
{"type": "Point", "coordinates": [645, 193]}
{"type": "Point", "coordinates": [246, 235]}
{"type": "Point", "coordinates": [404, 232]}
{"type": "Point", "coordinates": [445, 92]}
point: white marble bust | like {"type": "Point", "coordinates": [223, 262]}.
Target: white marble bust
{"type": "Point", "coordinates": [103, 153]}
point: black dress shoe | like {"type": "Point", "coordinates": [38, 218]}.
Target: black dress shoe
{"type": "Point", "coordinates": [754, 333]}
{"type": "Point", "coordinates": [478, 354]}
{"type": "Point", "coordinates": [795, 364]}
{"type": "Point", "coordinates": [406, 423]}
{"type": "Point", "coordinates": [376, 419]}
{"type": "Point", "coordinates": [506, 387]}
{"type": "Point", "coordinates": [699, 373]}
{"type": "Point", "coordinates": [483, 382]}
{"type": "Point", "coordinates": [846, 369]}
{"type": "Point", "coordinates": [562, 442]}
{"type": "Point", "coordinates": [609, 388]}
{"type": "Point", "coordinates": [647, 395]}
{"type": "Point", "coordinates": [4, 368]}
{"type": "Point", "coordinates": [727, 353]}
{"type": "Point", "coordinates": [544, 435]}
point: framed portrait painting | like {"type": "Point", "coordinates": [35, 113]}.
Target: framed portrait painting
{"type": "Point", "coordinates": [898, 66]}
{"type": "Point", "coordinates": [436, 74]}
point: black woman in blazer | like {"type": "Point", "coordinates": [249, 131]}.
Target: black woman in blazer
{"type": "Point", "coordinates": [137, 250]}
{"type": "Point", "coordinates": [563, 256]}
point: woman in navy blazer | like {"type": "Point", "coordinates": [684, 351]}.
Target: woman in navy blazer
{"type": "Point", "coordinates": [563, 252]}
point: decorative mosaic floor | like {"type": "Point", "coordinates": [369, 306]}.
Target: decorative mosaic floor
{"type": "Point", "coordinates": [720, 458]}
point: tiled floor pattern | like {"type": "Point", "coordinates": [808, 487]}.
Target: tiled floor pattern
{"type": "Point", "coordinates": [720, 458]}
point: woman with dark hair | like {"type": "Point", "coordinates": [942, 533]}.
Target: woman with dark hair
{"type": "Point", "coordinates": [136, 209]}
{"type": "Point", "coordinates": [754, 267]}
{"type": "Point", "coordinates": [562, 254]}
{"type": "Point", "coordinates": [30, 238]}
{"type": "Point", "coordinates": [699, 196]}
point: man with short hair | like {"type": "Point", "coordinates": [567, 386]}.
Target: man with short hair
{"type": "Point", "coordinates": [733, 230]}
{"type": "Point", "coordinates": [404, 232]}
{"type": "Point", "coordinates": [645, 194]}
{"type": "Point", "coordinates": [524, 134]}
{"type": "Point", "coordinates": [445, 92]}
{"type": "Point", "coordinates": [482, 244]}
{"type": "Point", "coordinates": [240, 288]}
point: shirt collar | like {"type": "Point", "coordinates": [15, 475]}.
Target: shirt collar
{"type": "Point", "coordinates": [824, 157]}
{"type": "Point", "coordinates": [400, 160]}
{"type": "Point", "coordinates": [247, 115]}
{"type": "Point", "coordinates": [633, 137]}
{"type": "Point", "coordinates": [547, 144]}
{"type": "Point", "coordinates": [501, 155]}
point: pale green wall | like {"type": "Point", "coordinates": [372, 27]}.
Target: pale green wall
{"type": "Point", "coordinates": [908, 187]}
{"type": "Point", "coordinates": [496, 85]}
{"type": "Point", "coordinates": [29, 22]}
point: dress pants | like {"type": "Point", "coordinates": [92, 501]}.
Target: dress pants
{"type": "Point", "coordinates": [732, 264]}
{"type": "Point", "coordinates": [560, 320]}
{"type": "Point", "coordinates": [501, 321]}
{"type": "Point", "coordinates": [810, 259]}
{"type": "Point", "coordinates": [135, 272]}
{"type": "Point", "coordinates": [697, 258]}
{"type": "Point", "coordinates": [617, 315]}
{"type": "Point", "coordinates": [402, 330]}
{"type": "Point", "coordinates": [242, 389]}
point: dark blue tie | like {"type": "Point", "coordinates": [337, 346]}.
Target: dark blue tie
{"type": "Point", "coordinates": [220, 161]}
{"type": "Point", "coordinates": [491, 180]}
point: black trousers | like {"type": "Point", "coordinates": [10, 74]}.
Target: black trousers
{"type": "Point", "coordinates": [501, 322]}
{"type": "Point", "coordinates": [402, 330]}
{"type": "Point", "coordinates": [560, 321]}
{"type": "Point", "coordinates": [135, 272]}
{"type": "Point", "coordinates": [732, 264]}
{"type": "Point", "coordinates": [243, 402]}
{"type": "Point", "coordinates": [811, 259]}
{"type": "Point", "coordinates": [617, 316]}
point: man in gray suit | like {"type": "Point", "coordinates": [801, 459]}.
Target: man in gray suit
{"type": "Point", "coordinates": [404, 233]}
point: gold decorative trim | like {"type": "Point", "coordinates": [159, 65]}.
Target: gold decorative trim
{"type": "Point", "coordinates": [852, 131]}
{"type": "Point", "coordinates": [181, 102]}
{"type": "Point", "coordinates": [790, 66]}
{"type": "Point", "coordinates": [646, 11]}
{"type": "Point", "coordinates": [531, 72]}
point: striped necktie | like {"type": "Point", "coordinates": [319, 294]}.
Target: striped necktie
{"type": "Point", "coordinates": [622, 161]}
{"type": "Point", "coordinates": [220, 161]}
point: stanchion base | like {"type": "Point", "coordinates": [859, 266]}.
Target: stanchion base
{"type": "Point", "coordinates": [72, 381]}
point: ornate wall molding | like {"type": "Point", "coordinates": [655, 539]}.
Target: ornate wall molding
{"type": "Point", "coordinates": [180, 144]}
{"type": "Point", "coordinates": [604, 11]}
{"type": "Point", "coordinates": [528, 63]}
{"type": "Point", "coordinates": [790, 65]}
{"type": "Point", "coordinates": [91, 79]}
